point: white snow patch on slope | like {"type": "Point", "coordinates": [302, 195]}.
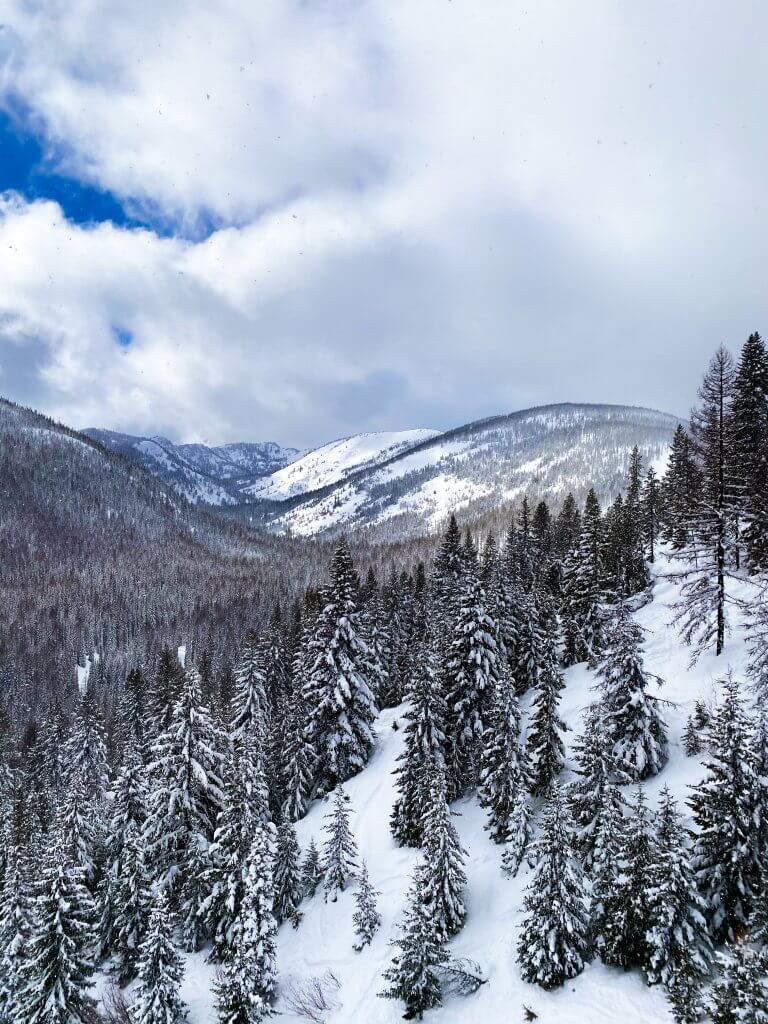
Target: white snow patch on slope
{"type": "Point", "coordinates": [334, 461]}
{"type": "Point", "coordinates": [436, 499]}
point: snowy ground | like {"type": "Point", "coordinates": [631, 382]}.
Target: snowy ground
{"type": "Point", "coordinates": [324, 940]}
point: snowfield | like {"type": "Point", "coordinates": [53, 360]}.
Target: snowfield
{"type": "Point", "coordinates": [323, 942]}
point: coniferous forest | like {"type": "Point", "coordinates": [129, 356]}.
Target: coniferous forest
{"type": "Point", "coordinates": [152, 803]}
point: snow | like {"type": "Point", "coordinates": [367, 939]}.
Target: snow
{"type": "Point", "coordinates": [83, 672]}
{"type": "Point", "coordinates": [323, 942]}
{"type": "Point", "coordinates": [336, 460]}
{"type": "Point", "coordinates": [182, 655]}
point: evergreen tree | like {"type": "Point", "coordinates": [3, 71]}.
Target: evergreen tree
{"type": "Point", "coordinates": [726, 853]}
{"type": "Point", "coordinates": [501, 770]}
{"type": "Point", "coordinates": [250, 707]}
{"type": "Point", "coordinates": [132, 901]}
{"type": "Point", "coordinates": [311, 872]}
{"type": "Point", "coordinates": [444, 864]}
{"type": "Point", "coordinates": [164, 692]}
{"type": "Point", "coordinates": [691, 738]}
{"type": "Point", "coordinates": [635, 726]}
{"type": "Point", "coordinates": [447, 580]}
{"type": "Point", "coordinates": [650, 514]}
{"type": "Point", "coordinates": [626, 915]}
{"type": "Point", "coordinates": [86, 754]}
{"type": "Point", "coordinates": [680, 490]}
{"type": "Point", "coordinates": [366, 919]}
{"type": "Point", "coordinates": [583, 587]}
{"type": "Point", "coordinates": [635, 574]}
{"type": "Point", "coordinates": [546, 751]}
{"type": "Point", "coordinates": [679, 945]}
{"type": "Point", "coordinates": [520, 833]}
{"type": "Point", "coordinates": [414, 974]}
{"type": "Point", "coordinates": [553, 941]}
{"type": "Point", "coordinates": [160, 972]}
{"type": "Point", "coordinates": [340, 851]}
{"type": "Point", "coordinates": [257, 931]}
{"type": "Point", "coordinates": [287, 874]}
{"type": "Point", "coordinates": [605, 870]}
{"type": "Point", "coordinates": [15, 930]}
{"type": "Point", "coordinates": [298, 770]}
{"type": "Point", "coordinates": [750, 428]}
{"type": "Point", "coordinates": [740, 996]}
{"type": "Point", "coordinates": [337, 694]}
{"type": "Point", "coordinates": [56, 975]}
{"type": "Point", "coordinates": [471, 674]}
{"type": "Point", "coordinates": [594, 793]}
{"type": "Point", "coordinates": [424, 745]}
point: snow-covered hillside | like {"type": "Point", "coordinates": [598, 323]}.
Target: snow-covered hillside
{"type": "Point", "coordinates": [547, 451]}
{"type": "Point", "coordinates": [336, 460]}
{"type": "Point", "coordinates": [213, 476]}
{"type": "Point", "coordinates": [600, 995]}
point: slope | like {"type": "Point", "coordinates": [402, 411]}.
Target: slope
{"type": "Point", "coordinates": [601, 995]}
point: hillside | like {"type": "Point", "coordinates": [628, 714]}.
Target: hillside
{"type": "Point", "coordinates": [201, 474]}
{"type": "Point", "coordinates": [547, 451]}
{"type": "Point", "coordinates": [600, 995]}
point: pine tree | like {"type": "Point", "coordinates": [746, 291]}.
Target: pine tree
{"type": "Point", "coordinates": [740, 996]}
{"type": "Point", "coordinates": [471, 674]}
{"type": "Point", "coordinates": [311, 872]}
{"type": "Point", "coordinates": [546, 751]}
{"type": "Point", "coordinates": [635, 726]}
{"type": "Point", "coordinates": [237, 1001]}
{"type": "Point", "coordinates": [56, 975]}
{"type": "Point", "coordinates": [257, 930]}
{"type": "Point", "coordinates": [444, 856]}
{"type": "Point", "coordinates": [553, 941]}
{"type": "Point", "coordinates": [627, 916]}
{"type": "Point", "coordinates": [339, 701]}
{"type": "Point", "coordinates": [15, 930]}
{"type": "Point", "coordinates": [605, 870]}
{"type": "Point", "coordinates": [339, 862]}
{"type": "Point", "coordinates": [78, 831]}
{"type": "Point", "coordinates": [415, 970]}
{"type": "Point", "coordinates": [701, 610]}
{"type": "Point", "coordinates": [85, 756]}
{"type": "Point", "coordinates": [447, 580]}
{"type": "Point", "coordinates": [160, 972]}
{"type": "Point", "coordinates": [287, 875]}
{"type": "Point", "coordinates": [250, 707]}
{"type": "Point", "coordinates": [679, 945]}
{"type": "Point", "coordinates": [726, 853]}
{"type": "Point", "coordinates": [680, 490]}
{"type": "Point", "coordinates": [501, 770]}
{"type": "Point", "coordinates": [424, 746]}
{"type": "Point", "coordinates": [366, 919]}
{"type": "Point", "coordinates": [635, 574]}
{"type": "Point", "coordinates": [583, 587]}
{"type": "Point", "coordinates": [595, 792]}
{"type": "Point", "coordinates": [691, 739]}
{"type": "Point", "coordinates": [186, 798]}
{"type": "Point", "coordinates": [132, 901]}
{"type": "Point", "coordinates": [298, 770]}
{"type": "Point", "coordinates": [650, 514]}
{"type": "Point", "coordinates": [520, 833]}
{"type": "Point", "coordinates": [750, 427]}
{"type": "Point", "coordinates": [164, 692]}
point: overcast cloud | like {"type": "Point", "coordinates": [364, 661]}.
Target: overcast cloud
{"type": "Point", "coordinates": [382, 214]}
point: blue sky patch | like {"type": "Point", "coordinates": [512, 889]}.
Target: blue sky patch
{"type": "Point", "coordinates": [122, 336]}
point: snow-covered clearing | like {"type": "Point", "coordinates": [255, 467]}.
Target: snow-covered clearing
{"type": "Point", "coordinates": [323, 942]}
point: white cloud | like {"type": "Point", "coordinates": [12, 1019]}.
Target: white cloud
{"type": "Point", "coordinates": [478, 205]}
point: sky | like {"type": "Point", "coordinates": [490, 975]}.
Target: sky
{"type": "Point", "coordinates": [301, 219]}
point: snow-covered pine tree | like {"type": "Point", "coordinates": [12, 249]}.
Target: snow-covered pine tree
{"type": "Point", "coordinates": [257, 927]}
{"type": "Point", "coordinates": [79, 832]}
{"type": "Point", "coordinates": [298, 761]}
{"type": "Point", "coordinates": [605, 869]}
{"type": "Point", "coordinates": [185, 800]}
{"type": "Point", "coordinates": [366, 918]}
{"type": "Point", "coordinates": [85, 758]}
{"type": "Point", "coordinates": [711, 548]}
{"type": "Point", "coordinates": [554, 940]}
{"type": "Point", "coordinates": [311, 872]}
{"type": "Point", "coordinates": [339, 702]}
{"type": "Point", "coordinates": [635, 570]}
{"type": "Point", "coordinates": [595, 790]}
{"type": "Point", "coordinates": [56, 974]}
{"type": "Point", "coordinates": [680, 491]}
{"type": "Point", "coordinates": [583, 587]}
{"type": "Point", "coordinates": [627, 919]}
{"type": "Point", "coordinates": [635, 725]}
{"type": "Point", "coordinates": [424, 745]}
{"type": "Point", "coordinates": [740, 995]}
{"type": "Point", "coordinates": [678, 940]}
{"type": "Point", "coordinates": [725, 804]}
{"type": "Point", "coordinates": [250, 707]}
{"type": "Point", "coordinates": [520, 833]}
{"type": "Point", "coordinates": [501, 769]}
{"type": "Point", "coordinates": [132, 902]}
{"type": "Point", "coordinates": [164, 692]}
{"type": "Point", "coordinates": [525, 613]}
{"type": "Point", "coordinates": [471, 673]}
{"type": "Point", "coordinates": [414, 973]}
{"type": "Point", "coordinates": [546, 752]}
{"type": "Point", "coordinates": [15, 929]}
{"type": "Point", "coordinates": [339, 861]}
{"type": "Point", "coordinates": [287, 874]}
{"type": "Point", "coordinates": [691, 739]}
{"type": "Point", "coordinates": [650, 514]}
{"type": "Point", "coordinates": [750, 427]}
{"type": "Point", "coordinates": [132, 714]}
{"type": "Point", "coordinates": [444, 857]}
{"type": "Point", "coordinates": [160, 971]}
{"type": "Point", "coordinates": [447, 580]}
{"type": "Point", "coordinates": [237, 1000]}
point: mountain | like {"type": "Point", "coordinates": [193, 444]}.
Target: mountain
{"type": "Point", "coordinates": [97, 553]}
{"type": "Point", "coordinates": [545, 451]}
{"type": "Point", "coordinates": [211, 476]}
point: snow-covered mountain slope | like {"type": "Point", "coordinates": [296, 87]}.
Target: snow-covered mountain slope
{"type": "Point", "coordinates": [546, 451]}
{"type": "Point", "coordinates": [601, 995]}
{"type": "Point", "coordinates": [336, 460]}
{"type": "Point", "coordinates": [214, 476]}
